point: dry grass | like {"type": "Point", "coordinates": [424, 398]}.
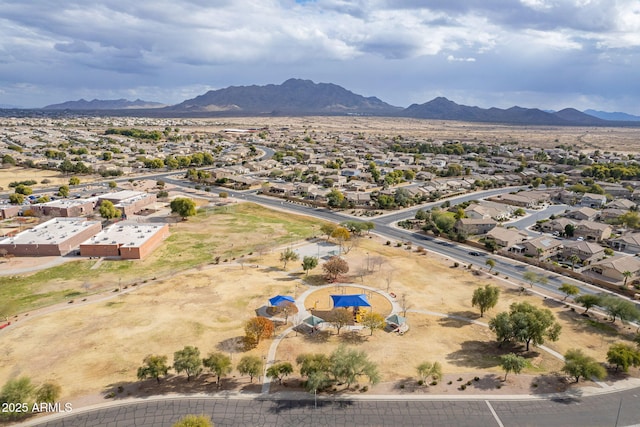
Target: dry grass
{"type": "Point", "coordinates": [108, 340]}
{"type": "Point", "coordinates": [615, 139]}
{"type": "Point", "coordinates": [8, 175]}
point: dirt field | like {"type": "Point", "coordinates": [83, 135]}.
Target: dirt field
{"type": "Point", "coordinates": [8, 175]}
{"type": "Point", "coordinates": [207, 307]}
{"type": "Point", "coordinates": [616, 139]}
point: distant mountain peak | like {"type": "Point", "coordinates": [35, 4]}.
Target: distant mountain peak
{"type": "Point", "coordinates": [441, 108]}
{"type": "Point", "coordinates": [293, 96]}
{"type": "Point", "coordinates": [615, 116]}
{"type": "Point", "coordinates": [99, 104]}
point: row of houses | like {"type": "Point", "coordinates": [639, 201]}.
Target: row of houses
{"type": "Point", "coordinates": [591, 256]}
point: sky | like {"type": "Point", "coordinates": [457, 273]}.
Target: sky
{"type": "Point", "coordinates": [547, 54]}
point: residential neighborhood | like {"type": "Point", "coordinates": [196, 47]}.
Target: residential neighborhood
{"type": "Point", "coordinates": [594, 217]}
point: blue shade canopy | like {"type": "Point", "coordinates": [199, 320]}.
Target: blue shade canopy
{"type": "Point", "coordinates": [280, 299]}
{"type": "Point", "coordinates": [356, 300]}
{"type": "Point", "coordinates": [313, 320]}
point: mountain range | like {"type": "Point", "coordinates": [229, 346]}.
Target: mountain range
{"type": "Point", "coordinates": [98, 104]}
{"type": "Point", "coordinates": [303, 97]}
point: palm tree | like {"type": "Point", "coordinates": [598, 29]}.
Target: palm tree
{"type": "Point", "coordinates": [626, 275]}
{"type": "Point", "coordinates": [574, 260]}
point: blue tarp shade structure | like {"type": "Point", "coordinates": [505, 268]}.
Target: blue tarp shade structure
{"type": "Point", "coordinates": [356, 300]}
{"type": "Point", "coordinates": [280, 299]}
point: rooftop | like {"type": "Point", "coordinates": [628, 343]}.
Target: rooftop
{"type": "Point", "coordinates": [127, 235]}
{"type": "Point", "coordinates": [66, 203]}
{"type": "Point", "coordinates": [52, 232]}
{"type": "Point", "coordinates": [122, 195]}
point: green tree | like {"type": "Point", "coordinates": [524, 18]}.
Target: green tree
{"type": "Point", "coordinates": [630, 219]}
{"type": "Point", "coordinates": [373, 321]}
{"type": "Point", "coordinates": [626, 274]}
{"type": "Point", "coordinates": [288, 255]}
{"type": "Point", "coordinates": [194, 421]}
{"type": "Point", "coordinates": [527, 324]}
{"type": "Point", "coordinates": [444, 222]}
{"type": "Point", "coordinates": [188, 360]}
{"type": "Point", "coordinates": [313, 363]}
{"type": "Point", "coordinates": [568, 290]}
{"type": "Point", "coordinates": [328, 229]}
{"type": "Point", "coordinates": [428, 369]}
{"type": "Point", "coordinates": [491, 263]}
{"type": "Point", "coordinates": [74, 180]}
{"type": "Point", "coordinates": [623, 356]}
{"type": "Point", "coordinates": [63, 191]}
{"type": "Point", "coordinates": [618, 307]}
{"type": "Point", "coordinates": [24, 190]}
{"type": "Point", "coordinates": [588, 301]}
{"type": "Point", "coordinates": [577, 364]}
{"type": "Point", "coordinates": [575, 259]}
{"type": "Point", "coordinates": [530, 277]}
{"type": "Point", "coordinates": [8, 160]}
{"type": "Point", "coordinates": [309, 263]}
{"type": "Point", "coordinates": [112, 184]}
{"type": "Point", "coordinates": [485, 298]}
{"type": "Point", "coordinates": [512, 363]}
{"type": "Point", "coordinates": [153, 367]}
{"type": "Point", "coordinates": [15, 393]}
{"type": "Point", "coordinates": [48, 392]}
{"type": "Point", "coordinates": [219, 364]}
{"type": "Point", "coordinates": [108, 210]}
{"type": "Point", "coordinates": [535, 182]}
{"type": "Point", "coordinates": [16, 199]}
{"type": "Point", "coordinates": [43, 199]}
{"type": "Point", "coordinates": [183, 206]}
{"type": "Point", "coordinates": [347, 365]}
{"type": "Point", "coordinates": [317, 369]}
{"type": "Point", "coordinates": [569, 230]}
{"type": "Point", "coordinates": [336, 199]}
{"type": "Point", "coordinates": [250, 365]}
{"type": "Point", "coordinates": [279, 371]}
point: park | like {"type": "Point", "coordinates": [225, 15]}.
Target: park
{"type": "Point", "coordinates": [216, 271]}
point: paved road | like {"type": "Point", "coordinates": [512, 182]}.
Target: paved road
{"type": "Point", "coordinates": [504, 266]}
{"type": "Point", "coordinates": [619, 409]}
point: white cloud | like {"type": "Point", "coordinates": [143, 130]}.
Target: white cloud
{"type": "Point", "coordinates": [161, 47]}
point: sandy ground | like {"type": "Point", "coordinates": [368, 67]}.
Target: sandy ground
{"type": "Point", "coordinates": [583, 138]}
{"type": "Point", "coordinates": [207, 307]}
{"type": "Point", "coordinates": [8, 175]}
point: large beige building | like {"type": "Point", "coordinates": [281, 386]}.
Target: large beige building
{"type": "Point", "coordinates": [125, 240]}
{"type": "Point", "coordinates": [129, 202]}
{"type": "Point", "coordinates": [56, 237]}
{"type": "Point", "coordinates": [64, 208]}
